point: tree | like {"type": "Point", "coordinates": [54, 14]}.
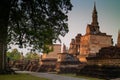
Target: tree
{"type": "Point", "coordinates": [32, 56]}
{"type": "Point", "coordinates": [31, 22]}
{"type": "Point", "coordinates": [14, 55]}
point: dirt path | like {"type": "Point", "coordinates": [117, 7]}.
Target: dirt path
{"type": "Point", "coordinates": [51, 76]}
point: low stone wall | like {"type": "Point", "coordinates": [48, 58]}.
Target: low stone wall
{"type": "Point", "coordinates": [46, 68]}
{"type": "Point", "coordinates": [67, 67]}
{"type": "Point", "coordinates": [104, 72]}
{"type": "Point", "coordinates": [109, 62]}
{"type": "Point", "coordinates": [106, 64]}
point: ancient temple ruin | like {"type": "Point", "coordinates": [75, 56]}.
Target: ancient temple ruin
{"type": "Point", "coordinates": [93, 40]}
{"type": "Point", "coordinates": [97, 50]}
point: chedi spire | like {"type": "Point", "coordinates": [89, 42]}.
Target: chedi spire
{"type": "Point", "coordinates": [94, 16]}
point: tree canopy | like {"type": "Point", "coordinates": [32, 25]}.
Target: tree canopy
{"type": "Point", "coordinates": [37, 22]}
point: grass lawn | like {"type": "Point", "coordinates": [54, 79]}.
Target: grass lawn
{"type": "Point", "coordinates": [84, 77]}
{"type": "Point", "coordinates": [20, 77]}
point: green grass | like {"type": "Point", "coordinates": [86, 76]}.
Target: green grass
{"type": "Point", "coordinates": [20, 77]}
{"type": "Point", "coordinates": [84, 77]}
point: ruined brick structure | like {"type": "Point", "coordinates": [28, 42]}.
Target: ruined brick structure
{"type": "Point", "coordinates": [67, 63]}
{"type": "Point", "coordinates": [94, 39]}
{"type": "Point", "coordinates": [106, 56]}
{"type": "Point", "coordinates": [106, 64]}
{"type": "Point", "coordinates": [53, 54]}
{"type": "Point", "coordinates": [75, 45]}
{"type": "Point", "coordinates": [103, 59]}
{"type": "Point", "coordinates": [90, 43]}
{"type": "Point", "coordinates": [48, 61]}
{"type": "Point", "coordinates": [72, 49]}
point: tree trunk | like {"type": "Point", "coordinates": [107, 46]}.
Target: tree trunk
{"type": "Point", "coordinates": [4, 17]}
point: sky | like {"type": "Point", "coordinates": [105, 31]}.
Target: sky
{"type": "Point", "coordinates": [81, 15]}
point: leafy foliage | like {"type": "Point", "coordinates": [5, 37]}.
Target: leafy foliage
{"type": "Point", "coordinates": [14, 55]}
{"type": "Point", "coordinates": [37, 22]}
{"type": "Point", "coordinates": [32, 56]}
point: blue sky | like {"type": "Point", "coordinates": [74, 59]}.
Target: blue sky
{"type": "Point", "coordinates": [81, 15]}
